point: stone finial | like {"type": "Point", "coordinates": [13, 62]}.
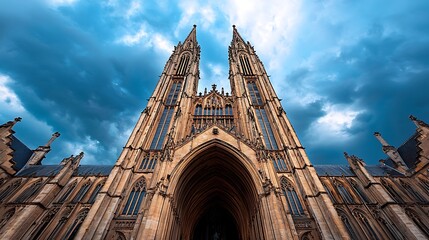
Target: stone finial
{"type": "Point", "coordinates": [11, 123]}
{"type": "Point", "coordinates": [419, 123]}
{"type": "Point", "coordinates": [55, 135]}
{"type": "Point", "coordinates": [353, 160]}
{"type": "Point", "coordinates": [381, 139]}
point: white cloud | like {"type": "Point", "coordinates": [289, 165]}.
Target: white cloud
{"type": "Point", "coordinates": [333, 125]}
{"type": "Point", "coordinates": [162, 43]}
{"type": "Point", "coordinates": [9, 101]}
{"type": "Point", "coordinates": [133, 39]}
{"type": "Point", "coordinates": [134, 9]}
{"type": "Point", "coordinates": [59, 3]}
{"type": "Point", "coordinates": [148, 38]}
{"type": "Point", "coordinates": [269, 26]}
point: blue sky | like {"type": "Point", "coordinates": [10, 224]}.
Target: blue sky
{"type": "Point", "coordinates": [343, 69]}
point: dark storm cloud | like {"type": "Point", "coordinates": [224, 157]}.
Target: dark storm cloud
{"type": "Point", "coordinates": [66, 74]}
{"type": "Point", "coordinates": [383, 75]}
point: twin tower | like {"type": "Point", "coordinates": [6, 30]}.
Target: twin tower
{"type": "Point", "coordinates": [213, 165]}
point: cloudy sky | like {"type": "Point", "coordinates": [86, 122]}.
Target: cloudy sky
{"type": "Point", "coordinates": [343, 69]}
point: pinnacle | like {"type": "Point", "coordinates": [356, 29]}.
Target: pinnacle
{"type": "Point", "coordinates": [236, 36]}
{"type": "Point", "coordinates": [192, 36]}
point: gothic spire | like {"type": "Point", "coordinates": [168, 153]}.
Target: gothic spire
{"type": "Point", "coordinates": [236, 37]}
{"type": "Point", "coordinates": [192, 37]}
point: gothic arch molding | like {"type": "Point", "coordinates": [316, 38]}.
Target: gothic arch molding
{"type": "Point", "coordinates": [215, 175]}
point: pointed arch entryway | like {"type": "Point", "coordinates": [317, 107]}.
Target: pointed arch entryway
{"type": "Point", "coordinates": [215, 195]}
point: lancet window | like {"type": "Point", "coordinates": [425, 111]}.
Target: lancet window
{"type": "Point", "coordinates": [74, 228]}
{"type": "Point", "coordinates": [255, 96]}
{"type": "Point", "coordinates": [347, 198]}
{"type": "Point", "coordinates": [95, 192]}
{"type": "Point", "coordinates": [58, 227]}
{"type": "Point", "coordinates": [149, 162]}
{"type": "Point", "coordinates": [391, 191]}
{"type": "Point", "coordinates": [417, 220]}
{"type": "Point", "coordinates": [366, 225]}
{"type": "Point", "coordinates": [279, 163]}
{"type": "Point", "coordinates": [9, 189]}
{"type": "Point", "coordinates": [183, 64]}
{"type": "Point", "coordinates": [198, 110]}
{"type": "Point", "coordinates": [82, 192]}
{"type": "Point", "coordinates": [30, 191]}
{"type": "Point", "coordinates": [425, 185]}
{"type": "Point", "coordinates": [67, 193]}
{"type": "Point", "coordinates": [43, 224]}
{"type": "Point", "coordinates": [360, 192]}
{"type": "Point", "coordinates": [6, 217]}
{"type": "Point", "coordinates": [348, 225]}
{"type": "Point", "coordinates": [174, 93]}
{"type": "Point", "coordinates": [245, 65]}
{"type": "Point", "coordinates": [393, 231]}
{"type": "Point", "coordinates": [161, 131]}
{"type": "Point", "coordinates": [266, 129]}
{"type": "Point", "coordinates": [135, 198]}
{"type": "Point", "coordinates": [328, 191]}
{"type": "Point", "coordinates": [416, 195]}
{"type": "Point", "coordinates": [294, 204]}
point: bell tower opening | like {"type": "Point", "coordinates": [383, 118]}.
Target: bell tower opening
{"type": "Point", "coordinates": [216, 196]}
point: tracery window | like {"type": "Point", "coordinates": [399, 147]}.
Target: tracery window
{"type": "Point", "coordinates": [391, 191]}
{"type": "Point", "coordinates": [82, 192]}
{"type": "Point", "coordinates": [183, 64]}
{"type": "Point", "coordinates": [135, 198]}
{"type": "Point", "coordinates": [9, 189]}
{"type": "Point", "coordinates": [95, 192]}
{"type": "Point", "coordinates": [161, 131]}
{"type": "Point", "coordinates": [279, 163]}
{"type": "Point", "coordinates": [425, 185]}
{"type": "Point", "coordinates": [66, 194]}
{"type": "Point", "coordinates": [43, 224]}
{"type": "Point", "coordinates": [266, 129]}
{"type": "Point", "coordinates": [328, 191]}
{"type": "Point", "coordinates": [30, 191]}
{"type": "Point", "coordinates": [254, 93]}
{"type": "Point", "coordinates": [228, 110]}
{"type": "Point", "coordinates": [348, 225]}
{"type": "Point", "coordinates": [347, 198]}
{"type": "Point", "coordinates": [294, 204]}
{"type": "Point", "coordinates": [359, 191]}
{"type": "Point", "coordinates": [417, 196]}
{"type": "Point", "coordinates": [74, 228]}
{"type": "Point", "coordinates": [149, 162]}
{"type": "Point", "coordinates": [245, 65]}
{"type": "Point", "coordinates": [198, 110]}
{"type": "Point", "coordinates": [393, 231]}
{"type": "Point", "coordinates": [417, 220]}
{"type": "Point", "coordinates": [58, 227]}
{"type": "Point", "coordinates": [6, 217]}
{"type": "Point", "coordinates": [366, 225]}
{"type": "Point", "coordinates": [174, 93]}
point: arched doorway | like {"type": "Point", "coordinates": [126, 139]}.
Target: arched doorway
{"type": "Point", "coordinates": [216, 195]}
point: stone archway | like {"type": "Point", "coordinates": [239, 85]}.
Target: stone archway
{"type": "Point", "coordinates": [216, 194]}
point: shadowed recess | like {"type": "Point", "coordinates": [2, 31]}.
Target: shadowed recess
{"type": "Point", "coordinates": [216, 196]}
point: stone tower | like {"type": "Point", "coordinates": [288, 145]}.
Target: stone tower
{"type": "Point", "coordinates": [213, 165]}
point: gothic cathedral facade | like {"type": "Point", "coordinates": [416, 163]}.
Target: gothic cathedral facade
{"type": "Point", "coordinates": [214, 165]}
